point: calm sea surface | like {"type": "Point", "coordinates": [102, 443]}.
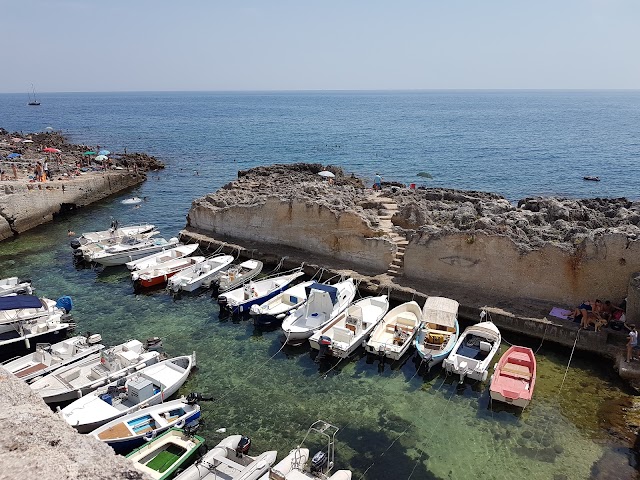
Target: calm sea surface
{"type": "Point", "coordinates": [394, 424]}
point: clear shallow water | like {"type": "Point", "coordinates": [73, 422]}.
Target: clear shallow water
{"type": "Point", "coordinates": [515, 144]}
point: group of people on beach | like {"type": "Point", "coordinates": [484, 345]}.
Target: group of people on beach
{"type": "Point", "coordinates": [599, 314]}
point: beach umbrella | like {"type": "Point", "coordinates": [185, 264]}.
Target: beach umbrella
{"type": "Point", "coordinates": [27, 141]}
{"type": "Point", "coordinates": [51, 150]}
{"type": "Point", "coordinates": [101, 158]}
{"type": "Point", "coordinates": [104, 152]}
{"type": "Point", "coordinates": [326, 174]}
{"type": "Point", "coordinates": [90, 152]}
{"type": "Point", "coordinates": [14, 155]}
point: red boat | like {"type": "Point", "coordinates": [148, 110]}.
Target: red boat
{"type": "Point", "coordinates": [160, 273]}
{"type": "Point", "coordinates": [515, 377]}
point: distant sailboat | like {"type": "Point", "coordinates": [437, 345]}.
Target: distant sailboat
{"type": "Point", "coordinates": [35, 101]}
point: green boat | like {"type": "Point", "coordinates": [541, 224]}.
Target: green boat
{"type": "Point", "coordinates": [161, 457]}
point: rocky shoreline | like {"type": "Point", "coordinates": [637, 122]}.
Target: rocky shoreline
{"type": "Point", "coordinates": [76, 178]}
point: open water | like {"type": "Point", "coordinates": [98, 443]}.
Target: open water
{"type": "Point", "coordinates": [394, 424]}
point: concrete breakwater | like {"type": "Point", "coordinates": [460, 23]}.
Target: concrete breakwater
{"type": "Point", "coordinates": [37, 443]}
{"type": "Point", "coordinates": [517, 262]}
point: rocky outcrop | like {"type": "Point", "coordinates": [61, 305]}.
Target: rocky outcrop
{"type": "Point", "coordinates": [37, 443]}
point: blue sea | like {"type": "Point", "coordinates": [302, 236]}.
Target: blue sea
{"type": "Point", "coordinates": [395, 423]}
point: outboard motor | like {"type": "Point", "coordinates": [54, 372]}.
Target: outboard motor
{"type": "Point", "coordinates": [319, 462]}
{"type": "Point", "coordinates": [154, 344]}
{"type": "Point", "coordinates": [243, 446]}
{"type": "Point", "coordinates": [325, 344]}
{"type": "Point", "coordinates": [195, 397]}
{"type": "Point", "coordinates": [75, 243]}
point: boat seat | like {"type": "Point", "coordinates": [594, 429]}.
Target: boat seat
{"type": "Point", "coordinates": [97, 372]}
{"type": "Point", "coordinates": [516, 371]}
{"type": "Point", "coordinates": [485, 346]}
{"type": "Point", "coordinates": [342, 335]}
{"type": "Point", "coordinates": [519, 358]}
{"type": "Point", "coordinates": [72, 375]}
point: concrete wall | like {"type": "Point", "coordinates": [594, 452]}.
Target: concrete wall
{"type": "Point", "coordinates": [494, 266]}
{"type": "Point", "coordinates": [307, 226]}
{"type": "Point", "coordinates": [35, 443]}
{"type": "Point", "coordinates": [27, 205]}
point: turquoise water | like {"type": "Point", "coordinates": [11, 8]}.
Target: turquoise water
{"type": "Point", "coordinates": [394, 423]}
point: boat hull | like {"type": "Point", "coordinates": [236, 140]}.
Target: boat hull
{"type": "Point", "coordinates": [154, 281]}
{"type": "Point", "coordinates": [245, 307]}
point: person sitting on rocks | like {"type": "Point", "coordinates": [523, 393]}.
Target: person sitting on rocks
{"type": "Point", "coordinates": [593, 316]}
{"type": "Point", "coordinates": [580, 311]}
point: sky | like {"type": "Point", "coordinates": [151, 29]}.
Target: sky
{"type": "Point", "coordinates": [210, 45]}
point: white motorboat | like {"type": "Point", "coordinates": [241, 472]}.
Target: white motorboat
{"type": "Point", "coordinates": [86, 252]}
{"type": "Point", "coordinates": [201, 275]}
{"type": "Point", "coordinates": [161, 458]}
{"type": "Point", "coordinates": [79, 378]}
{"type": "Point", "coordinates": [324, 303]}
{"type": "Point", "coordinates": [174, 253]}
{"type": "Point", "coordinates": [229, 460]}
{"type": "Point", "coordinates": [131, 430]}
{"type": "Point", "coordinates": [115, 231]}
{"type": "Point", "coordinates": [148, 386]}
{"type": "Point", "coordinates": [160, 273]}
{"type": "Point", "coordinates": [294, 466]}
{"type": "Point", "coordinates": [439, 330]}
{"type": "Point", "coordinates": [13, 285]}
{"type": "Point", "coordinates": [474, 351]}
{"type": "Point", "coordinates": [14, 335]}
{"type": "Point", "coordinates": [279, 306]}
{"type": "Point", "coordinates": [131, 201]}
{"type": "Point", "coordinates": [48, 358]}
{"type": "Point", "coordinates": [14, 308]}
{"type": "Point", "coordinates": [351, 328]}
{"type": "Point", "coordinates": [237, 275]}
{"type": "Point", "coordinates": [395, 333]}
{"type": "Point", "coordinates": [252, 293]}
{"type": "Point", "coordinates": [126, 252]}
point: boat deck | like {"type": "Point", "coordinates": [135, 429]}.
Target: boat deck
{"type": "Point", "coordinates": [32, 369]}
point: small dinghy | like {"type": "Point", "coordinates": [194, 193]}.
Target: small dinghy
{"type": "Point", "coordinates": [48, 358]}
{"type": "Point", "coordinates": [395, 333]}
{"type": "Point", "coordinates": [181, 251]}
{"type": "Point", "coordinates": [324, 303]}
{"type": "Point", "coordinates": [252, 293]}
{"type": "Point", "coordinates": [162, 457]}
{"type": "Point", "coordinates": [237, 275]}
{"type": "Point", "coordinates": [79, 378]}
{"type": "Point", "coordinates": [350, 329]}
{"type": "Point", "coordinates": [296, 465]}
{"type": "Point", "coordinates": [160, 273]}
{"type": "Point", "coordinates": [115, 231]}
{"type": "Point", "coordinates": [515, 377]}
{"type": "Point", "coordinates": [439, 330]}
{"type": "Point", "coordinates": [148, 386]}
{"type": "Point", "coordinates": [13, 285]}
{"type": "Point", "coordinates": [230, 460]}
{"type": "Point", "coordinates": [591, 178]}
{"type": "Point", "coordinates": [133, 429]}
{"type": "Point", "coordinates": [128, 251]}
{"type": "Point", "coordinates": [279, 306]}
{"type": "Point", "coordinates": [201, 275]}
{"type": "Point", "coordinates": [474, 351]}
{"type": "Point", "coordinates": [131, 201]}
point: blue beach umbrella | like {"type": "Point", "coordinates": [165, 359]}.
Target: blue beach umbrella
{"type": "Point", "coordinates": [104, 152]}
{"type": "Point", "coordinates": [14, 155]}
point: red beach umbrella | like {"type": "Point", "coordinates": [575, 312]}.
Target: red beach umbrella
{"type": "Point", "coordinates": [51, 150]}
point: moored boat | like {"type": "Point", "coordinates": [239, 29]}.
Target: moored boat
{"type": "Point", "coordinates": [84, 376]}
{"type": "Point", "coordinates": [230, 460]}
{"type": "Point", "coordinates": [131, 430]}
{"type": "Point", "coordinates": [341, 337]}
{"type": "Point", "coordinates": [174, 253]}
{"type": "Point", "coordinates": [439, 330]}
{"type": "Point", "coordinates": [14, 308]}
{"type": "Point", "coordinates": [124, 252]}
{"type": "Point", "coordinates": [514, 378]}
{"type": "Point", "coordinates": [324, 303]}
{"type": "Point", "coordinates": [13, 285]}
{"type": "Point", "coordinates": [48, 358]}
{"type": "Point", "coordinates": [201, 275]}
{"type": "Point", "coordinates": [393, 336]}
{"type": "Point", "coordinates": [164, 455]}
{"type": "Point", "coordinates": [237, 275]}
{"type": "Point", "coordinates": [276, 308]}
{"type": "Point", "coordinates": [114, 232]}
{"type": "Point", "coordinates": [252, 293]}
{"type": "Point", "coordinates": [473, 352]}
{"type": "Point", "coordinates": [160, 273]}
{"type": "Point", "coordinates": [148, 386]}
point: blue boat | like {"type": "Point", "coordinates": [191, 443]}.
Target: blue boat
{"type": "Point", "coordinates": [439, 330]}
{"type": "Point", "coordinates": [241, 299]}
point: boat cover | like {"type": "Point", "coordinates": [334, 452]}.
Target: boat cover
{"type": "Point", "coordinates": [332, 291]}
{"type": "Point", "coordinates": [19, 301]}
{"type": "Point", "coordinates": [440, 310]}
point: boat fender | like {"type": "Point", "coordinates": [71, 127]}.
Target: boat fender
{"type": "Point", "coordinates": [427, 357]}
{"type": "Point", "coordinates": [180, 424]}
{"type": "Point", "coordinates": [150, 436]}
{"type": "Point", "coordinates": [79, 392]}
{"type": "Point", "coordinates": [243, 446]}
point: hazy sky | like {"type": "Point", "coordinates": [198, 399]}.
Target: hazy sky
{"type": "Point", "coordinates": [116, 45]}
